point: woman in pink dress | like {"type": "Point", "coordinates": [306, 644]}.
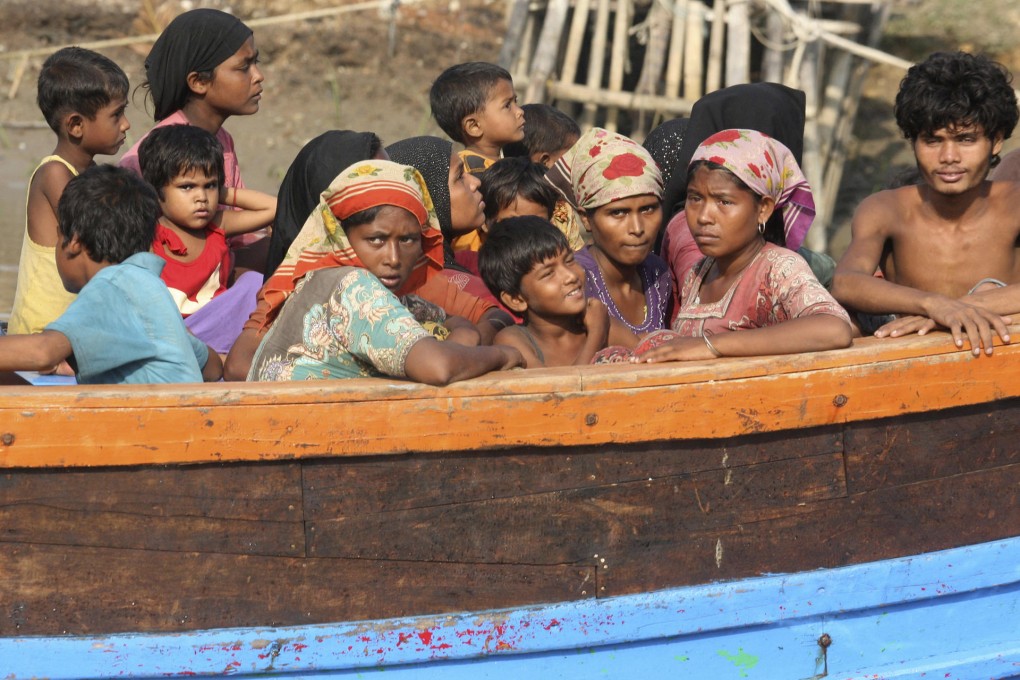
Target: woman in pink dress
{"type": "Point", "coordinates": [738, 181]}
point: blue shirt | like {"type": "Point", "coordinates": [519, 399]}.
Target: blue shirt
{"type": "Point", "coordinates": [125, 328]}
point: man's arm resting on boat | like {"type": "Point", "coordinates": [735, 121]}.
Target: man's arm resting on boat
{"type": "Point", "coordinates": [36, 352]}
{"type": "Point", "coordinates": [213, 369]}
{"type": "Point", "coordinates": [241, 354]}
{"type": "Point", "coordinates": [441, 363]}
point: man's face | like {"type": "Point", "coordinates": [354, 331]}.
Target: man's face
{"type": "Point", "coordinates": [952, 160]}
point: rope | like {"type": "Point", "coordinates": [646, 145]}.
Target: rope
{"type": "Point", "coordinates": [253, 23]}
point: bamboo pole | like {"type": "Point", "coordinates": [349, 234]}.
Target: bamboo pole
{"type": "Point", "coordinates": [621, 38]}
{"type": "Point", "coordinates": [515, 25]}
{"type": "Point", "coordinates": [738, 44]}
{"type": "Point", "coordinates": [694, 44]}
{"type": "Point", "coordinates": [547, 50]}
{"type": "Point", "coordinates": [813, 165]}
{"type": "Point", "coordinates": [676, 48]}
{"type": "Point", "coordinates": [596, 59]}
{"type": "Point", "coordinates": [624, 100]}
{"type": "Point", "coordinates": [772, 61]}
{"type": "Point", "coordinates": [656, 49]}
{"type": "Point", "coordinates": [716, 47]}
{"type": "Point", "coordinates": [575, 39]}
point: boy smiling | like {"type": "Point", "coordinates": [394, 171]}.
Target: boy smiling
{"type": "Point", "coordinates": [947, 247]}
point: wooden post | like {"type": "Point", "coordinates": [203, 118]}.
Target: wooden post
{"type": "Point", "coordinates": [772, 61]}
{"type": "Point", "coordinates": [596, 59]}
{"type": "Point", "coordinates": [621, 38]}
{"type": "Point", "coordinates": [716, 48]}
{"type": "Point", "coordinates": [813, 165]}
{"type": "Point", "coordinates": [659, 23]}
{"type": "Point", "coordinates": [575, 39]}
{"type": "Point", "coordinates": [676, 48]}
{"type": "Point", "coordinates": [547, 50]}
{"type": "Point", "coordinates": [693, 48]}
{"type": "Point", "coordinates": [515, 25]}
{"type": "Point", "coordinates": [738, 44]}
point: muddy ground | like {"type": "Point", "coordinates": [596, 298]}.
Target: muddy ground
{"type": "Point", "coordinates": [338, 72]}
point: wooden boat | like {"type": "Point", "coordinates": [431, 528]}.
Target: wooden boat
{"type": "Point", "coordinates": [844, 514]}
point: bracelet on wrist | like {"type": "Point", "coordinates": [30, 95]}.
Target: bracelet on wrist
{"type": "Point", "coordinates": [711, 348]}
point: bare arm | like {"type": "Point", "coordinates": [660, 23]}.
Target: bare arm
{"type": "Point", "coordinates": [491, 323]}
{"type": "Point", "coordinates": [257, 210]}
{"type": "Point", "coordinates": [462, 331]}
{"type": "Point", "coordinates": [240, 356]}
{"type": "Point", "coordinates": [813, 333]}
{"type": "Point", "coordinates": [44, 196]}
{"type": "Point", "coordinates": [36, 352]}
{"type": "Point", "coordinates": [213, 369]}
{"type": "Point", "coordinates": [596, 325]}
{"type": "Point", "coordinates": [513, 337]}
{"type": "Point", "coordinates": [441, 363]}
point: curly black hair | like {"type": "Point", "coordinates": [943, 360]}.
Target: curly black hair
{"type": "Point", "coordinates": [950, 89]}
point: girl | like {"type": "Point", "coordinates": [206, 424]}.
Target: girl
{"type": "Point", "coordinates": [618, 189]}
{"type": "Point", "coordinates": [201, 70]}
{"type": "Point", "coordinates": [738, 181]}
{"type": "Point", "coordinates": [345, 320]}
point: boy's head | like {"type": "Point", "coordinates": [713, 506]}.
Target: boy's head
{"type": "Point", "coordinates": [548, 133]}
{"type": "Point", "coordinates": [513, 187]}
{"type": "Point", "coordinates": [107, 212]}
{"type": "Point", "coordinates": [956, 90]}
{"type": "Point", "coordinates": [73, 81]}
{"type": "Point", "coordinates": [476, 101]}
{"type": "Point", "coordinates": [514, 249]}
{"type": "Point", "coordinates": [174, 150]}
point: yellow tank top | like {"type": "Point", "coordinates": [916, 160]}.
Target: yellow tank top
{"type": "Point", "coordinates": [40, 297]}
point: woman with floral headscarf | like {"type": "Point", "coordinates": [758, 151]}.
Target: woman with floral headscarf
{"type": "Point", "coordinates": [335, 297]}
{"type": "Point", "coordinates": [617, 189]}
{"type": "Point", "coordinates": [738, 181]}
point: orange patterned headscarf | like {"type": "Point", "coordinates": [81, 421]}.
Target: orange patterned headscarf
{"type": "Point", "coordinates": [322, 242]}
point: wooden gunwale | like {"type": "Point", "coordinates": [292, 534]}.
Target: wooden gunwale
{"type": "Point", "coordinates": [561, 407]}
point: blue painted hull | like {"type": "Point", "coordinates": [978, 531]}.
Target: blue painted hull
{"type": "Point", "coordinates": [947, 614]}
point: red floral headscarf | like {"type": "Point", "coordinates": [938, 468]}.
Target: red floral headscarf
{"type": "Point", "coordinates": [604, 166]}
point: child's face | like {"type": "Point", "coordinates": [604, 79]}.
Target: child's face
{"type": "Point", "coordinates": [467, 211]}
{"type": "Point", "coordinates": [624, 229]}
{"type": "Point", "coordinates": [501, 120]}
{"type": "Point", "coordinates": [953, 160]}
{"type": "Point", "coordinates": [236, 85]}
{"type": "Point", "coordinates": [388, 246]}
{"type": "Point", "coordinates": [554, 287]}
{"type": "Point", "coordinates": [549, 158]}
{"type": "Point", "coordinates": [70, 265]}
{"type": "Point", "coordinates": [105, 134]}
{"type": "Point", "coordinates": [519, 208]}
{"type": "Point", "coordinates": [190, 200]}
{"type": "Point", "coordinates": [723, 216]}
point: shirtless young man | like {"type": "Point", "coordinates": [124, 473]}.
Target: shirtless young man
{"type": "Point", "coordinates": [936, 241]}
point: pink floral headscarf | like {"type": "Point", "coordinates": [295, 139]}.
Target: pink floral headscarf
{"type": "Point", "coordinates": [769, 169]}
{"type": "Point", "coordinates": [604, 166]}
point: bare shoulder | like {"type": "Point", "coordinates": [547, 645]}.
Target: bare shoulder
{"type": "Point", "coordinates": [50, 180]}
{"type": "Point", "coordinates": [881, 212]}
{"type": "Point", "coordinates": [516, 337]}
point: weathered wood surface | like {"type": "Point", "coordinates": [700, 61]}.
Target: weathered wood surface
{"type": "Point", "coordinates": [355, 538]}
{"type": "Point", "coordinates": [545, 408]}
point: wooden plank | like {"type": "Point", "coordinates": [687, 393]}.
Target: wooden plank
{"type": "Point", "coordinates": [926, 446]}
{"type": "Point", "coordinates": [738, 43]}
{"type": "Point", "coordinates": [575, 39]}
{"type": "Point", "coordinates": [544, 61]}
{"type": "Point", "coordinates": [244, 509]}
{"type": "Point", "coordinates": [674, 65]}
{"type": "Point", "coordinates": [618, 58]}
{"type": "Point", "coordinates": [568, 527]}
{"type": "Point", "coordinates": [596, 59]}
{"type": "Point", "coordinates": [345, 487]}
{"type": "Point", "coordinates": [563, 407]}
{"type": "Point", "coordinates": [716, 48]}
{"type": "Point", "coordinates": [890, 522]}
{"type": "Point", "coordinates": [56, 590]}
{"type": "Point", "coordinates": [694, 43]}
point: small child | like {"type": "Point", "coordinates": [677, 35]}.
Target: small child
{"type": "Point", "coordinates": [83, 96]}
{"type": "Point", "coordinates": [527, 263]}
{"type": "Point", "coordinates": [123, 327]}
{"type": "Point", "coordinates": [184, 163]}
{"type": "Point", "coordinates": [475, 104]}
{"type": "Point", "coordinates": [548, 133]}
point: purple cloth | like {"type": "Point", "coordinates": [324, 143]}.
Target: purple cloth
{"type": "Point", "coordinates": [219, 321]}
{"type": "Point", "coordinates": [655, 280]}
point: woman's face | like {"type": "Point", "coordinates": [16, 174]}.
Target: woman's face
{"type": "Point", "coordinates": [467, 211]}
{"type": "Point", "coordinates": [625, 229]}
{"type": "Point", "coordinates": [236, 85]}
{"type": "Point", "coordinates": [723, 215]}
{"type": "Point", "coordinates": [389, 245]}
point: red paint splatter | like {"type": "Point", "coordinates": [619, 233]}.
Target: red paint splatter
{"type": "Point", "coordinates": [552, 624]}
{"type": "Point", "coordinates": [365, 638]}
{"type": "Point", "coordinates": [503, 646]}
{"type": "Point", "coordinates": [426, 637]}
{"type": "Point", "coordinates": [442, 646]}
{"type": "Point", "coordinates": [402, 638]}
{"type": "Point", "coordinates": [298, 646]}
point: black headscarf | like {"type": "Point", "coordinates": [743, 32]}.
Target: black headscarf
{"type": "Point", "coordinates": [196, 41]}
{"type": "Point", "coordinates": [774, 109]}
{"type": "Point", "coordinates": [431, 157]}
{"type": "Point", "coordinates": [664, 143]}
{"type": "Point", "coordinates": [315, 166]}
